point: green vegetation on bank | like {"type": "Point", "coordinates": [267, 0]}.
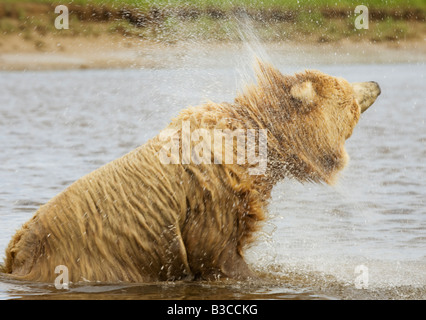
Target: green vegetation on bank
{"type": "Point", "coordinates": [228, 4]}
{"type": "Point", "coordinates": [175, 20]}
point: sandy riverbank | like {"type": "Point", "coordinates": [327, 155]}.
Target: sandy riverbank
{"type": "Point", "coordinates": [115, 51]}
{"type": "Point", "coordinates": [121, 37]}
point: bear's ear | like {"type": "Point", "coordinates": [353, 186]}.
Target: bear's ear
{"type": "Point", "coordinates": [303, 91]}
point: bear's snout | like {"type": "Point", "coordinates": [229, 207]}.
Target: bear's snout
{"type": "Point", "coordinates": [366, 93]}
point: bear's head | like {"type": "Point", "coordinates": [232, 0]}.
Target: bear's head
{"type": "Point", "coordinates": [309, 116]}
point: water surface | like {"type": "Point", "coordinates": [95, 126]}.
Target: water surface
{"type": "Point", "coordinates": [57, 126]}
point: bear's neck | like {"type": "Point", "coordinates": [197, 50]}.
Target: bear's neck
{"type": "Point", "coordinates": [287, 153]}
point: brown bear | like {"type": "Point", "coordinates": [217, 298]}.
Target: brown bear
{"type": "Point", "coordinates": [184, 211]}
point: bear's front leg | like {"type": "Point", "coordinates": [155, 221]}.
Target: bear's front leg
{"type": "Point", "coordinates": [229, 265]}
{"type": "Point", "coordinates": [232, 265]}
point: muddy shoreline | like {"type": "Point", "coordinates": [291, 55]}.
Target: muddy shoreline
{"type": "Point", "coordinates": [125, 37]}
{"type": "Point", "coordinates": [113, 51]}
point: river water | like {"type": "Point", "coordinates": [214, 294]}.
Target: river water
{"type": "Point", "coordinates": [364, 238]}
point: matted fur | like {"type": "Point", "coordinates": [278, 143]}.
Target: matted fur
{"type": "Point", "coordinates": [136, 219]}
